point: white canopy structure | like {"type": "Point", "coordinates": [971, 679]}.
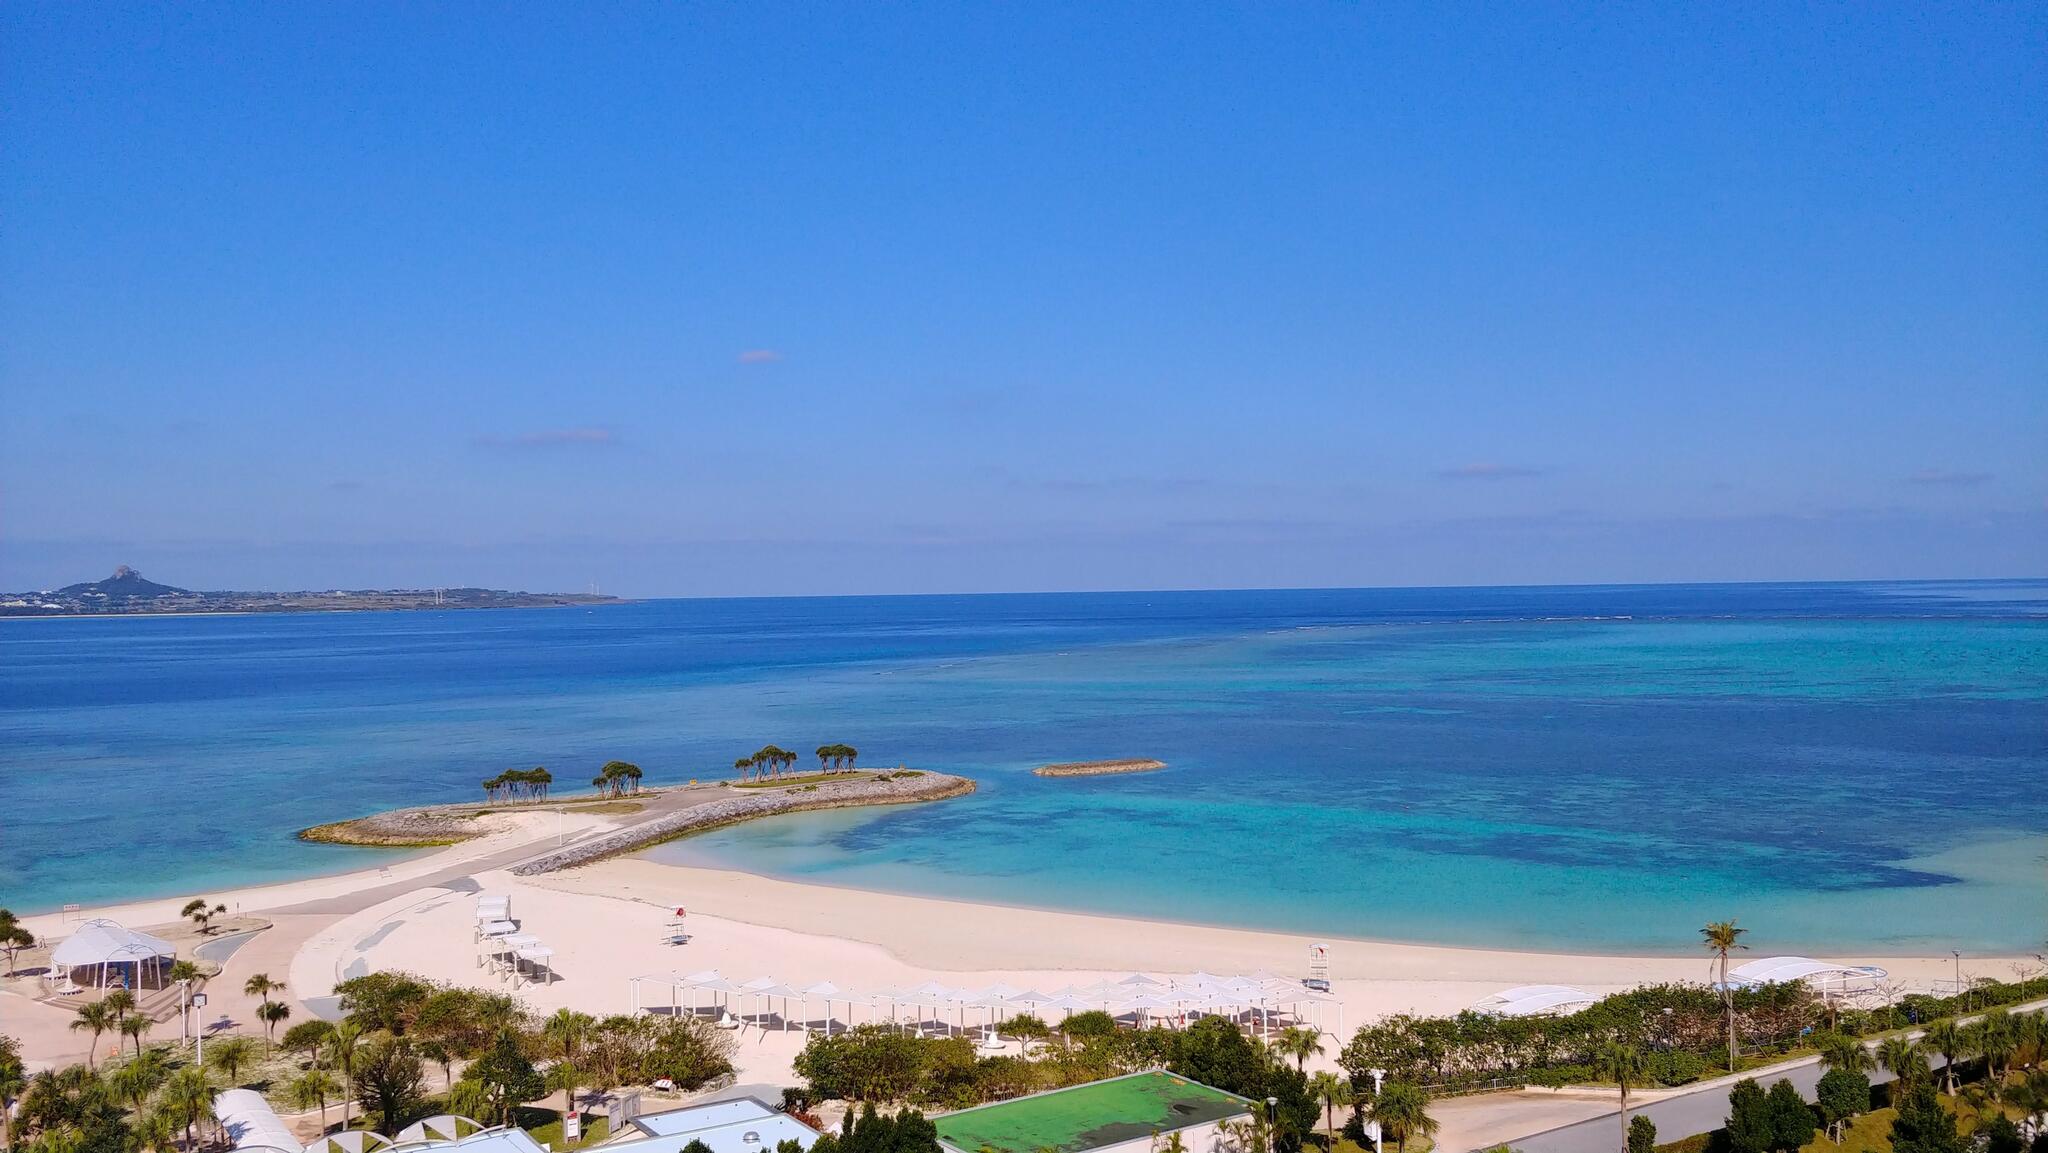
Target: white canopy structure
{"type": "Point", "coordinates": [1260, 998]}
{"type": "Point", "coordinates": [1822, 975]}
{"type": "Point", "coordinates": [439, 1127]}
{"type": "Point", "coordinates": [249, 1122]}
{"type": "Point", "coordinates": [350, 1141]}
{"type": "Point", "coordinates": [1534, 1000]}
{"type": "Point", "coordinates": [101, 944]}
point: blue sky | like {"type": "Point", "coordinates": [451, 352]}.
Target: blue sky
{"type": "Point", "coordinates": [726, 299]}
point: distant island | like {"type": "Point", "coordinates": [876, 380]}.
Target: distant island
{"type": "Point", "coordinates": [1098, 768]}
{"type": "Point", "coordinates": [128, 593]}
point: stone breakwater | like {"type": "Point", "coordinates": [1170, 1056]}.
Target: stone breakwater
{"type": "Point", "coordinates": [901, 788]}
{"type": "Point", "coordinates": [1099, 768]}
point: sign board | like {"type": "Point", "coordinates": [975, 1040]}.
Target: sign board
{"type": "Point", "coordinates": [572, 1126]}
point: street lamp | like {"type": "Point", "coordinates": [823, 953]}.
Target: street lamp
{"type": "Point", "coordinates": [199, 1035]}
{"type": "Point", "coordinates": [1272, 1120]}
{"type": "Point", "coordinates": [1379, 1082]}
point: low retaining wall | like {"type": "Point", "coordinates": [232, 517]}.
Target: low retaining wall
{"type": "Point", "coordinates": [747, 804]}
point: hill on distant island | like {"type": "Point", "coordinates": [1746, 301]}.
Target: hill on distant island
{"type": "Point", "coordinates": [125, 585]}
{"type": "Point", "coordinates": [128, 592]}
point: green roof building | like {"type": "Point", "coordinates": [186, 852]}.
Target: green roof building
{"type": "Point", "coordinates": [1123, 1114]}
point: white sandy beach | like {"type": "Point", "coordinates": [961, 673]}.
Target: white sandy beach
{"type": "Point", "coordinates": [606, 923]}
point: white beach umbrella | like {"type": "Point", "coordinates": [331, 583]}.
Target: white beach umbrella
{"type": "Point", "coordinates": [1001, 991]}
{"type": "Point", "coordinates": [700, 975]}
{"type": "Point", "coordinates": [933, 989]}
{"type": "Point", "coordinates": [1072, 1004]}
{"type": "Point", "coordinates": [824, 991]}
{"type": "Point", "coordinates": [1027, 999]}
{"type": "Point", "coordinates": [1139, 981]}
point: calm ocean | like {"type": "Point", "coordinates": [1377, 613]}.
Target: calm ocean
{"type": "Point", "coordinates": [1839, 766]}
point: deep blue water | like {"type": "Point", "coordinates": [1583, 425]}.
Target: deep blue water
{"type": "Point", "coordinates": [1837, 765]}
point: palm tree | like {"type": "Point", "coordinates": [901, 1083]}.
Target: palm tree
{"type": "Point", "coordinates": [122, 1002]}
{"type": "Point", "coordinates": [201, 915]}
{"type": "Point", "coordinates": [1299, 1043]}
{"type": "Point", "coordinates": [1623, 1065]}
{"type": "Point", "coordinates": [2030, 1039]}
{"type": "Point", "coordinates": [272, 1014]}
{"type": "Point", "coordinates": [1996, 1039]}
{"type": "Point", "coordinates": [260, 985]}
{"type": "Point", "coordinates": [1721, 938]}
{"type": "Point", "coordinates": [136, 1080]}
{"type": "Point", "coordinates": [1951, 1041]}
{"type": "Point", "coordinates": [156, 1130]}
{"type": "Point", "coordinates": [136, 1027]}
{"type": "Point", "coordinates": [312, 1089]}
{"type": "Point", "coordinates": [1335, 1093]}
{"type": "Point", "coordinates": [1905, 1059]}
{"type": "Point", "coordinates": [1402, 1111]}
{"type": "Point", "coordinates": [742, 765]}
{"type": "Point", "coordinates": [232, 1055]}
{"type": "Point", "coordinates": [343, 1046]}
{"type": "Point", "coordinates": [1840, 1051]}
{"type": "Point", "coordinates": [98, 1017]}
{"type": "Point", "coordinates": [563, 1036]}
{"type": "Point", "coordinates": [184, 973]}
{"type": "Point", "coordinates": [188, 1098]}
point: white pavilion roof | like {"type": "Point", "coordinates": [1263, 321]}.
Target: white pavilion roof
{"type": "Point", "coordinates": [102, 941]}
{"type": "Point", "coordinates": [1767, 970]}
{"type": "Point", "coordinates": [1530, 1000]}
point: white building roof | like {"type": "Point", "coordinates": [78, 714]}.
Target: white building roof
{"type": "Point", "coordinates": [754, 1135]}
{"type": "Point", "coordinates": [101, 941]}
{"type": "Point", "coordinates": [498, 1140]}
{"type": "Point", "coordinates": [701, 1117]}
{"type": "Point", "coordinates": [1767, 970]}
{"type": "Point", "coordinates": [1530, 1000]}
{"type": "Point", "coordinates": [249, 1121]}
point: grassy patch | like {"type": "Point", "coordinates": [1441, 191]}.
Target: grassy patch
{"type": "Point", "coordinates": [805, 779]}
{"type": "Point", "coordinates": [548, 1129]}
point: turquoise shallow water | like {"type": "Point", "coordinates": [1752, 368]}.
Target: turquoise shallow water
{"type": "Point", "coordinates": [1839, 766]}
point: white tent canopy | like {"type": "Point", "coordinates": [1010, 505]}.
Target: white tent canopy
{"type": "Point", "coordinates": [1531, 1000]}
{"type": "Point", "coordinates": [249, 1122]}
{"type": "Point", "coordinates": [99, 943]}
{"type": "Point", "coordinates": [1820, 974]}
{"type": "Point", "coordinates": [1260, 996]}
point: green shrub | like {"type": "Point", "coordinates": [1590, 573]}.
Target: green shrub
{"type": "Point", "coordinates": [1642, 1134]}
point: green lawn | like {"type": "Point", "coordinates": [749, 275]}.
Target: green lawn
{"type": "Point", "coordinates": [1088, 1116]}
{"type": "Point", "coordinates": [596, 1128]}
{"type": "Point", "coordinates": [805, 779]}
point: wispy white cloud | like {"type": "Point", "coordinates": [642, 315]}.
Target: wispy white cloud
{"type": "Point", "coordinates": [1944, 476]}
{"type": "Point", "coordinates": [590, 437]}
{"type": "Point", "coordinates": [760, 356]}
{"type": "Point", "coordinates": [1488, 470]}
